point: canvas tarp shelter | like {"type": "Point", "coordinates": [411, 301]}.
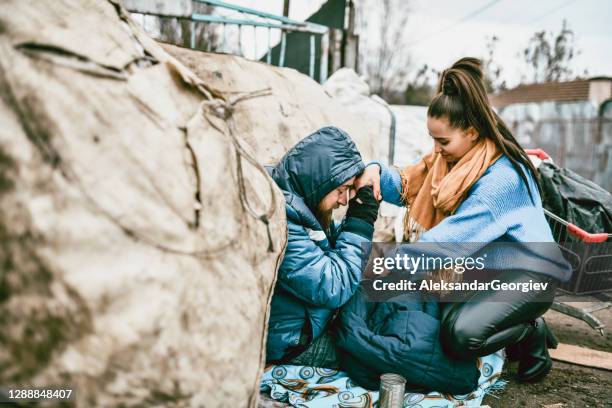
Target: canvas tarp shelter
{"type": "Point", "coordinates": [139, 234]}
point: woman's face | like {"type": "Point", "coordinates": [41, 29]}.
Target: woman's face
{"type": "Point", "coordinates": [451, 143]}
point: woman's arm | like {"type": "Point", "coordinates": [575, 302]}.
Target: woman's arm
{"type": "Point", "coordinates": [472, 222]}
{"type": "Point", "coordinates": [386, 182]}
{"type": "Point", "coordinates": [472, 227]}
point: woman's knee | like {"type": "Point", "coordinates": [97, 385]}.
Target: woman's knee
{"type": "Point", "coordinates": [462, 338]}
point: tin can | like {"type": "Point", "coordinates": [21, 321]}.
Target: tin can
{"type": "Point", "coordinates": [392, 388]}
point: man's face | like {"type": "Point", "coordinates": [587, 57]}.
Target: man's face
{"type": "Point", "coordinates": [337, 197]}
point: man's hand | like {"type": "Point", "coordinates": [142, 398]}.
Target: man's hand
{"type": "Point", "coordinates": [364, 205]}
{"type": "Point", "coordinates": [370, 177]}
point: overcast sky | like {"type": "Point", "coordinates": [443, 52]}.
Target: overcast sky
{"type": "Point", "coordinates": [445, 30]}
{"type": "Point", "coordinates": [440, 40]}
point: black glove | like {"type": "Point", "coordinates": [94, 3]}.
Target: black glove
{"type": "Point", "coordinates": [364, 205]}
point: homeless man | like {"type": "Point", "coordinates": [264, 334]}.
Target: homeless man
{"type": "Point", "coordinates": [322, 265]}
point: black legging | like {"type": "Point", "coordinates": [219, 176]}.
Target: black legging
{"type": "Point", "coordinates": [487, 321]}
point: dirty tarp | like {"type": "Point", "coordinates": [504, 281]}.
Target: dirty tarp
{"type": "Point", "coordinates": [297, 107]}
{"type": "Point", "coordinates": [576, 199]}
{"type": "Point", "coordinates": [139, 238]}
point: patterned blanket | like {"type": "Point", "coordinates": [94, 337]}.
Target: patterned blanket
{"type": "Point", "coordinates": [314, 387]}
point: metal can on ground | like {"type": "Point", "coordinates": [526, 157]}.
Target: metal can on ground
{"type": "Point", "coordinates": [392, 388]}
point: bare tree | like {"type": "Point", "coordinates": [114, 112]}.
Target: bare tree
{"type": "Point", "coordinates": [384, 45]}
{"type": "Point", "coordinates": [548, 56]}
{"type": "Point", "coordinates": [493, 71]}
{"type": "Point", "coordinates": [420, 89]}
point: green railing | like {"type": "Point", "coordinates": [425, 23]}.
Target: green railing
{"type": "Point", "coordinates": [249, 17]}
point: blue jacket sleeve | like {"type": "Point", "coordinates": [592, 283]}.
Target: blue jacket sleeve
{"type": "Point", "coordinates": [324, 278]}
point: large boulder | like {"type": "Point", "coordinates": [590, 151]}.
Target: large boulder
{"type": "Point", "coordinates": [139, 237]}
{"type": "Point", "coordinates": [413, 140]}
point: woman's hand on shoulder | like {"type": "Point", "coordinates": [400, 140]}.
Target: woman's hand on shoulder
{"type": "Point", "coordinates": [370, 177]}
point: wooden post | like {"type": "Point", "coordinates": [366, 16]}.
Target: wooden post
{"type": "Point", "coordinates": [335, 49]}
{"type": "Point", "coordinates": [350, 46]}
{"type": "Point", "coordinates": [286, 8]}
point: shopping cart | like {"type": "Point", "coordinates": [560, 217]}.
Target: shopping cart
{"type": "Point", "coordinates": [591, 263]}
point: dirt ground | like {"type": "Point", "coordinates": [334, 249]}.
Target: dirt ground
{"type": "Point", "coordinates": [567, 384]}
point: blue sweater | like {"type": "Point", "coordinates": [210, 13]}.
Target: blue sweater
{"type": "Point", "coordinates": [497, 209]}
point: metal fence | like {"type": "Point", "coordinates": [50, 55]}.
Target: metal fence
{"type": "Point", "coordinates": [581, 145]}
{"type": "Point", "coordinates": [244, 18]}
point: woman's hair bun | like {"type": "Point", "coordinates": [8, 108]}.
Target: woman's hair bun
{"type": "Point", "coordinates": [449, 86]}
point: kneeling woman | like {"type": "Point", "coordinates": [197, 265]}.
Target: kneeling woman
{"type": "Point", "coordinates": [479, 186]}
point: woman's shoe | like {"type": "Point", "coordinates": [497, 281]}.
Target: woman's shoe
{"type": "Point", "coordinates": [535, 362]}
{"type": "Point", "coordinates": [513, 353]}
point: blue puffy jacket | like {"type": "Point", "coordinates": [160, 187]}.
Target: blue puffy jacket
{"type": "Point", "coordinates": [321, 269]}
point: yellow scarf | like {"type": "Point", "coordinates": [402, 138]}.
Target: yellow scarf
{"type": "Point", "coordinates": [432, 189]}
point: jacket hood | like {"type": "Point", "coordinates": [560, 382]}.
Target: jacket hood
{"type": "Point", "coordinates": [318, 164]}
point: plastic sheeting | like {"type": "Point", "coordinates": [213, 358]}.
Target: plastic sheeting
{"type": "Point", "coordinates": [576, 199]}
